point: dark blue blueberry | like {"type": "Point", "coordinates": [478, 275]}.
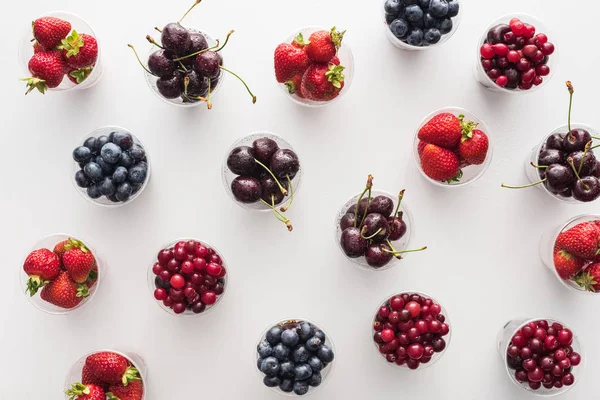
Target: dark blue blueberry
{"type": "Point", "coordinates": [389, 18]}
{"type": "Point", "coordinates": [111, 153]}
{"type": "Point", "coordinates": [424, 4]}
{"type": "Point", "coordinates": [107, 168]}
{"type": "Point", "coordinates": [100, 142]}
{"type": "Point", "coordinates": [113, 198]}
{"type": "Point", "coordinates": [410, 2]}
{"type": "Point", "coordinates": [271, 381]}
{"type": "Point", "coordinates": [432, 36]}
{"type": "Point", "coordinates": [415, 38]}
{"type": "Point", "coordinates": [259, 363]}
{"type": "Point", "coordinates": [445, 25]}
{"type": "Point", "coordinates": [302, 372]}
{"type": "Point", "coordinates": [82, 154]}
{"type": "Point", "coordinates": [325, 354]}
{"type": "Point", "coordinates": [313, 343]}
{"type": "Point", "coordinates": [320, 335]}
{"type": "Point", "coordinates": [264, 349]}
{"type": "Point", "coordinates": [453, 8]}
{"type": "Point", "coordinates": [111, 136]}
{"type": "Point", "coordinates": [119, 175]}
{"type": "Point", "coordinates": [90, 143]}
{"type": "Point", "coordinates": [286, 369]}
{"type": "Point", "coordinates": [419, 23]}
{"type": "Point", "coordinates": [136, 188]}
{"type": "Point", "coordinates": [137, 152]}
{"type": "Point", "coordinates": [438, 8]}
{"type": "Point", "coordinates": [305, 331]}
{"type": "Point", "coordinates": [316, 364]}
{"type": "Point", "coordinates": [392, 7]}
{"type": "Point", "coordinates": [315, 379]}
{"type": "Point", "coordinates": [270, 366]}
{"type": "Point", "coordinates": [107, 187]}
{"type": "Point", "coordinates": [82, 180]}
{"type": "Point", "coordinates": [301, 354]}
{"type": "Point", "coordinates": [124, 191]}
{"type": "Point", "coordinates": [290, 337]}
{"type": "Point", "coordinates": [126, 160]}
{"type": "Point", "coordinates": [399, 28]}
{"type": "Point", "coordinates": [93, 171]}
{"type": "Point", "coordinates": [123, 139]}
{"type": "Point", "coordinates": [94, 192]}
{"type": "Point", "coordinates": [274, 335]}
{"type": "Point", "coordinates": [287, 385]}
{"type": "Point", "coordinates": [281, 351]}
{"type": "Point", "coordinates": [137, 173]}
{"type": "Point", "coordinates": [413, 13]}
{"type": "Point", "coordinates": [301, 388]}
{"type": "Point", "coordinates": [428, 21]}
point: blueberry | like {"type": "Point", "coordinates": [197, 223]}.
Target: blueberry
{"type": "Point", "coordinates": [287, 385]}
{"type": "Point", "coordinates": [281, 351]}
{"type": "Point", "coordinates": [119, 175]}
{"type": "Point", "coordinates": [136, 188]}
{"type": "Point", "coordinates": [410, 2]}
{"type": "Point", "coordinates": [445, 25]}
{"type": "Point", "coordinates": [316, 364]}
{"type": "Point", "coordinates": [94, 192]}
{"type": "Point", "coordinates": [415, 38]}
{"type": "Point", "coordinates": [82, 154]}
{"type": "Point", "coordinates": [438, 8]}
{"type": "Point", "coordinates": [100, 142]}
{"type": "Point", "coordinates": [399, 28]}
{"type": "Point", "coordinates": [290, 337]}
{"type": "Point", "coordinates": [124, 191]}
{"type": "Point", "coordinates": [389, 18]}
{"type": "Point", "coordinates": [432, 36]}
{"type": "Point", "coordinates": [113, 198]}
{"type": "Point", "coordinates": [313, 343]}
{"type": "Point", "coordinates": [90, 143]}
{"type": "Point", "coordinates": [93, 171]}
{"type": "Point", "coordinates": [320, 335]}
{"type": "Point", "coordinates": [453, 8]}
{"type": "Point", "coordinates": [111, 136]}
{"type": "Point", "coordinates": [264, 349]}
{"type": "Point", "coordinates": [286, 369]}
{"type": "Point", "coordinates": [419, 23]}
{"type": "Point", "coordinates": [302, 372]}
{"type": "Point", "coordinates": [122, 139]}
{"type": "Point", "coordinates": [270, 366]}
{"type": "Point", "coordinates": [137, 174]}
{"type": "Point", "coordinates": [271, 381]}
{"type": "Point", "coordinates": [274, 335]}
{"type": "Point", "coordinates": [392, 7]}
{"type": "Point", "coordinates": [82, 180]}
{"type": "Point", "coordinates": [107, 168]}
{"type": "Point", "coordinates": [424, 4]}
{"type": "Point", "coordinates": [126, 160]}
{"type": "Point", "coordinates": [137, 152]}
{"type": "Point", "coordinates": [325, 354]}
{"type": "Point", "coordinates": [107, 187]}
{"type": "Point", "coordinates": [111, 153]}
{"type": "Point", "coordinates": [413, 13]}
{"type": "Point", "coordinates": [315, 379]}
{"type": "Point", "coordinates": [301, 388]}
{"type": "Point", "coordinates": [305, 331]}
{"type": "Point", "coordinates": [301, 354]}
{"type": "Point", "coordinates": [428, 21]}
{"type": "Point", "coordinates": [259, 363]}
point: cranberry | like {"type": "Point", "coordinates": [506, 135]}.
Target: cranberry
{"type": "Point", "coordinates": [390, 358]}
{"type": "Point", "coordinates": [383, 312]}
{"type": "Point", "coordinates": [177, 281]}
{"type": "Point", "coordinates": [435, 309]}
{"type": "Point", "coordinates": [535, 385]}
{"type": "Point", "coordinates": [547, 363]}
{"type": "Point", "coordinates": [396, 303]}
{"type": "Point", "coordinates": [487, 64]}
{"type": "Point", "coordinates": [512, 351]}
{"type": "Point", "coordinates": [542, 70]}
{"type": "Point", "coordinates": [521, 376]}
{"type": "Point", "coordinates": [405, 326]}
{"type": "Point", "coordinates": [201, 251]}
{"type": "Point", "coordinates": [164, 256]}
{"type": "Point", "coordinates": [198, 308]}
{"type": "Point", "coordinates": [435, 326]}
{"type": "Point", "coordinates": [168, 302]}
{"type": "Point", "coordinates": [400, 361]}
{"type": "Point", "coordinates": [551, 331]}
{"type": "Point", "coordinates": [414, 308]}
{"type": "Point", "coordinates": [438, 344]}
{"type": "Point", "coordinates": [173, 265]}
{"type": "Point", "coordinates": [440, 318]}
{"type": "Point", "coordinates": [190, 246]}
{"type": "Point", "coordinates": [216, 259]}
{"type": "Point", "coordinates": [401, 352]}
{"type": "Point", "coordinates": [523, 65]}
{"type": "Point", "coordinates": [487, 51]}
{"type": "Point", "coordinates": [387, 335]}
{"type": "Point", "coordinates": [209, 298]}
{"type": "Point", "coordinates": [412, 364]}
{"type": "Point", "coordinates": [187, 267]}
{"type": "Point", "coordinates": [176, 294]}
{"type": "Point", "coordinates": [394, 317]}
{"type": "Point", "coordinates": [528, 76]}
{"type": "Point", "coordinates": [568, 379]}
{"type": "Point", "coordinates": [444, 330]}
{"type": "Point", "coordinates": [548, 378]}
{"type": "Point", "coordinates": [160, 294]}
{"type": "Point", "coordinates": [526, 353]}
{"type": "Point", "coordinates": [209, 281]}
{"type": "Point", "coordinates": [179, 253]}
{"type": "Point", "coordinates": [510, 38]}
{"type": "Point", "coordinates": [377, 326]}
{"type": "Point", "coordinates": [557, 371]}
{"type": "Point", "coordinates": [558, 384]}
{"type": "Point", "coordinates": [575, 359]}
{"type": "Point", "coordinates": [529, 50]}
{"type": "Point", "coordinates": [219, 288]}
{"type": "Point", "coordinates": [157, 269]}
{"type": "Point", "coordinates": [565, 337]}
{"type": "Point", "coordinates": [494, 73]}
{"type": "Point", "coordinates": [500, 49]}
{"type": "Point", "coordinates": [422, 326]}
{"type": "Point", "coordinates": [529, 364]}
{"type": "Point", "coordinates": [529, 31]}
{"type": "Point", "coordinates": [527, 331]}
{"type": "Point", "coordinates": [199, 264]}
{"type": "Point", "coordinates": [403, 339]}
{"type": "Point", "coordinates": [540, 334]}
{"type": "Point", "coordinates": [517, 26]}
{"type": "Point", "coordinates": [222, 273]}
{"type": "Point", "coordinates": [537, 346]}
{"type": "Point", "coordinates": [538, 57]}
{"type": "Point", "coordinates": [389, 325]}
{"type": "Point", "coordinates": [548, 385]}
{"type": "Point", "coordinates": [551, 342]}
{"type": "Point", "coordinates": [213, 269]}
{"type": "Point", "coordinates": [547, 48]}
{"type": "Point", "coordinates": [178, 308]}
{"type": "Point", "coordinates": [560, 355]}
{"type": "Point", "coordinates": [541, 38]}
{"type": "Point", "coordinates": [425, 311]}
{"type": "Point", "coordinates": [415, 351]}
{"type": "Point", "coordinates": [564, 364]}
{"type": "Point", "coordinates": [519, 340]}
{"type": "Point", "coordinates": [165, 275]}
{"type": "Point", "coordinates": [535, 375]}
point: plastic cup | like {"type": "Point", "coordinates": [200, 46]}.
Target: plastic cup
{"type": "Point", "coordinates": [78, 24]}
{"type": "Point", "coordinates": [49, 242]}
{"type": "Point", "coordinates": [290, 323]}
{"type": "Point", "coordinates": [346, 60]}
{"type": "Point", "coordinates": [503, 340]}
{"type": "Point", "coordinates": [187, 313]}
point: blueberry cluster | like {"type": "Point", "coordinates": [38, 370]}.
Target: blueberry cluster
{"type": "Point", "coordinates": [420, 22]}
{"type": "Point", "coordinates": [292, 356]}
{"type": "Point", "coordinates": [113, 166]}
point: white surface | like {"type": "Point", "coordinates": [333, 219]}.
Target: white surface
{"type": "Point", "coordinates": [483, 262]}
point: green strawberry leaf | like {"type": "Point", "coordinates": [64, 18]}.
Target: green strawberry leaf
{"type": "Point", "coordinates": [335, 75]}
{"type": "Point", "coordinates": [300, 40]}
{"type": "Point", "coordinates": [110, 396]}
{"type": "Point", "coordinates": [35, 83]}
{"type": "Point", "coordinates": [77, 390]}
{"type": "Point", "coordinates": [71, 44]}
{"type": "Point", "coordinates": [92, 276]}
{"type": "Point", "coordinates": [35, 283]}
{"type": "Point", "coordinates": [132, 374]}
{"type": "Point", "coordinates": [336, 37]}
{"type": "Point", "coordinates": [291, 86]}
{"type": "Point", "coordinates": [456, 178]}
{"type": "Point", "coordinates": [82, 290]}
{"type": "Point", "coordinates": [586, 281]}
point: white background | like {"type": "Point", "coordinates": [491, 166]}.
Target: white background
{"type": "Point", "coordinates": [483, 262]}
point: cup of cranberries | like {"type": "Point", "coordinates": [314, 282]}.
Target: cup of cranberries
{"type": "Point", "coordinates": [186, 68]}
{"type": "Point", "coordinates": [452, 147]}
{"type": "Point", "coordinates": [61, 273]}
{"type": "Point", "coordinates": [314, 66]}
{"type": "Point", "coordinates": [106, 374]}
{"type": "Point", "coordinates": [515, 55]}
{"type": "Point", "coordinates": [373, 228]}
{"type": "Point", "coordinates": [188, 277]}
{"type": "Point", "coordinates": [411, 330]}
{"type": "Point", "coordinates": [263, 172]}
{"type": "Point", "coordinates": [541, 355]}
{"type": "Point", "coordinates": [295, 357]}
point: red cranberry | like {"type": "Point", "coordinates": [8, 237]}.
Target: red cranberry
{"type": "Point", "coordinates": [412, 364]}
{"type": "Point", "coordinates": [527, 331]}
{"type": "Point", "coordinates": [535, 385]}
{"type": "Point", "coordinates": [540, 334]}
{"type": "Point", "coordinates": [415, 351]}
{"type": "Point", "coordinates": [416, 298]}
{"type": "Point", "coordinates": [435, 326]}
{"type": "Point", "coordinates": [219, 288]}
{"type": "Point", "coordinates": [213, 269]}
{"type": "Point", "coordinates": [444, 330]}
{"type": "Point", "coordinates": [179, 253]}
{"type": "Point", "coordinates": [547, 48]}
{"type": "Point", "coordinates": [400, 361]}
{"type": "Point", "coordinates": [428, 302]}
{"type": "Point", "coordinates": [210, 251]}
{"type": "Point", "coordinates": [487, 64]}
{"type": "Point", "coordinates": [530, 50]}
{"type": "Point", "coordinates": [157, 269]}
{"type": "Point", "coordinates": [173, 265]}
{"type": "Point", "coordinates": [396, 303]}
{"type": "Point", "coordinates": [535, 375]}
{"type": "Point", "coordinates": [541, 38]}
{"type": "Point", "coordinates": [198, 308]}
{"type": "Point", "coordinates": [209, 298]}
{"type": "Point", "coordinates": [547, 363]}
{"type": "Point", "coordinates": [168, 302]}
{"type": "Point", "coordinates": [513, 56]}
{"type": "Point", "coordinates": [565, 337]}
{"type": "Point", "coordinates": [222, 273]}
{"type": "Point", "coordinates": [164, 256]}
{"type": "Point", "coordinates": [187, 267]}
{"type": "Point", "coordinates": [178, 308]}
{"type": "Point", "coordinates": [551, 343]}
{"type": "Point", "coordinates": [510, 38]}
{"type": "Point", "coordinates": [517, 26]}
{"type": "Point", "coordinates": [438, 344]}
{"type": "Point", "coordinates": [529, 364]}
{"type": "Point", "coordinates": [526, 353]}
{"type": "Point", "coordinates": [519, 340]}
{"type": "Point", "coordinates": [440, 318]}
{"type": "Point", "coordinates": [199, 264]}
{"type": "Point", "coordinates": [500, 49]}
{"type": "Point", "coordinates": [190, 246]}
{"type": "Point", "coordinates": [176, 294]}
{"type": "Point", "coordinates": [387, 335]}
{"type": "Point", "coordinates": [494, 73]}
{"type": "Point", "coordinates": [160, 294]}
{"type": "Point", "coordinates": [568, 379]}
{"type": "Point", "coordinates": [383, 312]}
{"type": "Point", "coordinates": [389, 325]}
{"type": "Point", "coordinates": [538, 57]}
{"type": "Point", "coordinates": [564, 364]}
{"type": "Point", "coordinates": [377, 326]}
{"type": "Point", "coordinates": [560, 355]}
{"type": "Point", "coordinates": [390, 358]}
{"type": "Point", "coordinates": [425, 311]}
{"type": "Point", "coordinates": [394, 317]}
{"type": "Point", "coordinates": [422, 326]}
{"type": "Point", "coordinates": [558, 384]}
{"type": "Point", "coordinates": [537, 346]}
{"type": "Point", "coordinates": [209, 281]}
{"type": "Point", "coordinates": [575, 359]}
{"type": "Point", "coordinates": [413, 333]}
{"type": "Point", "coordinates": [401, 352]}
{"type": "Point", "coordinates": [165, 275]}
{"type": "Point", "coordinates": [512, 351]}
{"type": "Point", "coordinates": [528, 76]}
{"type": "Point", "coordinates": [551, 331]}
{"type": "Point", "coordinates": [529, 31]}
{"type": "Point", "coordinates": [405, 326]}
{"type": "Point", "coordinates": [435, 309]}
{"type": "Point", "coordinates": [557, 371]}
{"type": "Point", "coordinates": [403, 339]}
{"type": "Point", "coordinates": [177, 281]}
{"type": "Point", "coordinates": [216, 259]}
{"type": "Point", "coordinates": [487, 51]}
{"type": "Point", "coordinates": [201, 251]}
{"type": "Point", "coordinates": [521, 376]}
{"type": "Point", "coordinates": [523, 65]}
{"type": "Point", "coordinates": [542, 70]}
{"type": "Point", "coordinates": [414, 308]}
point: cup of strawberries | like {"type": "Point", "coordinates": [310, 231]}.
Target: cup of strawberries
{"type": "Point", "coordinates": [314, 66]}
{"type": "Point", "coordinates": [59, 52]}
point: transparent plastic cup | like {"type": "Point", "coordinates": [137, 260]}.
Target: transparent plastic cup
{"type": "Point", "coordinates": [178, 102]}
{"type": "Point", "coordinates": [49, 242]}
{"type": "Point", "coordinates": [103, 200]}
{"type": "Point", "coordinates": [405, 46]}
{"type": "Point", "coordinates": [436, 357]}
{"type": "Point", "coordinates": [399, 245]}
{"type": "Point", "coordinates": [346, 60]}
{"type": "Point", "coordinates": [548, 241]}
{"type": "Point", "coordinates": [533, 173]}
{"type": "Point", "coordinates": [471, 172]}
{"type": "Point", "coordinates": [290, 323]}
{"type": "Point", "coordinates": [187, 313]}
{"type": "Point", "coordinates": [74, 374]}
{"type": "Point", "coordinates": [504, 338]}
{"type": "Point", "coordinates": [487, 82]}
{"type": "Point", "coordinates": [227, 176]}
{"type": "Point", "coordinates": [78, 24]}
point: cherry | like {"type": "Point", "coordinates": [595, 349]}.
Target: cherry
{"type": "Point", "coordinates": [375, 227]}
{"type": "Point", "coordinates": [397, 228]}
{"type": "Point", "coordinates": [160, 294]}
{"type": "Point", "coordinates": [378, 254]}
{"type": "Point", "coordinates": [352, 242]}
{"type": "Point", "coordinates": [170, 86]}
{"type": "Point", "coordinates": [246, 189]}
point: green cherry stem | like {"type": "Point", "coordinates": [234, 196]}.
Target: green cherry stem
{"type": "Point", "coordinates": [208, 102]}
{"type": "Point", "coordinates": [196, 53]}
{"type": "Point", "coordinates": [362, 231]}
{"type": "Point", "coordinates": [287, 206]}
{"type": "Point", "coordinates": [140, 61]}
{"type": "Point", "coordinates": [186, 82]}
{"type": "Point", "coordinates": [571, 91]}
{"type": "Point", "coordinates": [283, 190]}
{"type": "Point", "coordinates": [398, 254]}
{"type": "Point", "coordinates": [524, 186]}
{"type": "Point", "coordinates": [278, 215]}
{"type": "Point", "coordinates": [190, 9]}
{"type": "Point", "coordinates": [588, 145]}
{"type": "Point", "coordinates": [183, 66]}
{"type": "Point", "coordinates": [400, 197]}
{"type": "Point", "coordinates": [241, 80]}
{"type": "Point", "coordinates": [572, 164]}
{"type": "Point", "coordinates": [538, 166]}
{"type": "Point", "coordinates": [368, 187]}
{"type": "Point", "coordinates": [158, 29]}
{"type": "Point", "coordinates": [226, 40]}
{"type": "Point", "coordinates": [369, 192]}
{"type": "Point", "coordinates": [151, 40]}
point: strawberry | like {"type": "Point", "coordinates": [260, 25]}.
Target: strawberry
{"type": "Point", "coordinates": [47, 69]}
{"type": "Point", "coordinates": [582, 240]}
{"type": "Point", "coordinates": [293, 85]}
{"type": "Point", "coordinates": [79, 261]}
{"type": "Point", "coordinates": [440, 164]}
{"type": "Point", "coordinates": [62, 247]}
{"type": "Point", "coordinates": [421, 147]}
{"type": "Point", "coordinates": [473, 146]}
{"type": "Point", "coordinates": [132, 391]}
{"type": "Point", "coordinates": [49, 31]}
{"type": "Point", "coordinates": [81, 391]}
{"type": "Point", "coordinates": [80, 51]}
{"type": "Point", "coordinates": [289, 61]}
{"type": "Point", "coordinates": [63, 292]}
{"type": "Point", "coordinates": [111, 368]}
{"type": "Point", "coordinates": [37, 48]}
{"type": "Point", "coordinates": [590, 278]}
{"type": "Point", "coordinates": [335, 60]}
{"type": "Point", "coordinates": [567, 265]}
{"type": "Point", "coordinates": [322, 82]}
{"type": "Point", "coordinates": [299, 41]}
{"type": "Point", "coordinates": [79, 75]}
{"type": "Point", "coordinates": [41, 266]}
{"type": "Point", "coordinates": [444, 130]}
{"type": "Point", "coordinates": [323, 45]}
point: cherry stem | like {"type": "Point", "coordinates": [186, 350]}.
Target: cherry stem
{"type": "Point", "coordinates": [398, 254]}
{"type": "Point", "coordinates": [151, 40]}
{"type": "Point", "coordinates": [287, 206]}
{"type": "Point", "coordinates": [283, 190]}
{"type": "Point", "coordinates": [524, 186]}
{"type": "Point", "coordinates": [400, 197]}
{"type": "Point", "coordinates": [368, 187]}
{"type": "Point", "coordinates": [186, 82]}
{"type": "Point", "coordinates": [140, 61]}
{"type": "Point", "coordinates": [183, 66]}
{"type": "Point", "coordinates": [198, 52]}
{"type": "Point", "coordinates": [208, 103]}
{"type": "Point", "coordinates": [585, 152]}
{"type": "Point", "coordinates": [369, 237]}
{"type": "Point", "coordinates": [237, 76]}
{"type": "Point", "coordinates": [538, 166]}
{"type": "Point", "coordinates": [190, 9]}
{"type": "Point", "coordinates": [278, 215]}
{"type": "Point", "coordinates": [158, 29]}
{"type": "Point", "coordinates": [226, 40]}
{"type": "Point", "coordinates": [571, 91]}
{"type": "Point", "coordinates": [595, 147]}
{"type": "Point", "coordinates": [572, 164]}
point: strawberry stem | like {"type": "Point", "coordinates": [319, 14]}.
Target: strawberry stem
{"type": "Point", "coordinates": [140, 61]}
{"type": "Point", "coordinates": [241, 80]}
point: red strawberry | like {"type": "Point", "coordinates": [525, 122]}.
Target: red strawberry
{"type": "Point", "coordinates": [421, 147]}
{"type": "Point", "coordinates": [289, 61]}
{"type": "Point", "coordinates": [47, 69]}
{"type": "Point", "coordinates": [62, 247]}
{"type": "Point", "coordinates": [590, 278]}
{"type": "Point", "coordinates": [132, 391]}
{"type": "Point", "coordinates": [322, 82]}
{"type": "Point", "coordinates": [473, 146]}
{"type": "Point", "coordinates": [566, 264]}
{"type": "Point", "coordinates": [80, 51]}
{"type": "Point", "coordinates": [335, 60]}
{"type": "Point", "coordinates": [81, 391]}
{"type": "Point", "coordinates": [323, 45]}
{"type": "Point", "coordinates": [444, 130]}
{"type": "Point", "coordinates": [49, 31]}
{"type": "Point", "coordinates": [293, 85]}
{"type": "Point", "coordinates": [109, 367]}
{"type": "Point", "coordinates": [299, 41]}
{"type": "Point", "coordinates": [582, 240]}
{"type": "Point", "coordinates": [42, 266]}
{"type": "Point", "coordinates": [440, 164]}
{"type": "Point", "coordinates": [79, 261]}
{"type": "Point", "coordinates": [37, 48]}
{"type": "Point", "coordinates": [63, 292]}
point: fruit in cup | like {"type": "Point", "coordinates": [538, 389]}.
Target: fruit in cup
{"type": "Point", "coordinates": [370, 226]}
{"type": "Point", "coordinates": [449, 143]}
{"type": "Point", "coordinates": [59, 51]}
{"type": "Point", "coordinates": [409, 329]}
{"type": "Point", "coordinates": [310, 68]}
{"type": "Point", "coordinates": [184, 66]}
{"type": "Point", "coordinates": [293, 356]}
{"type": "Point", "coordinates": [567, 164]}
